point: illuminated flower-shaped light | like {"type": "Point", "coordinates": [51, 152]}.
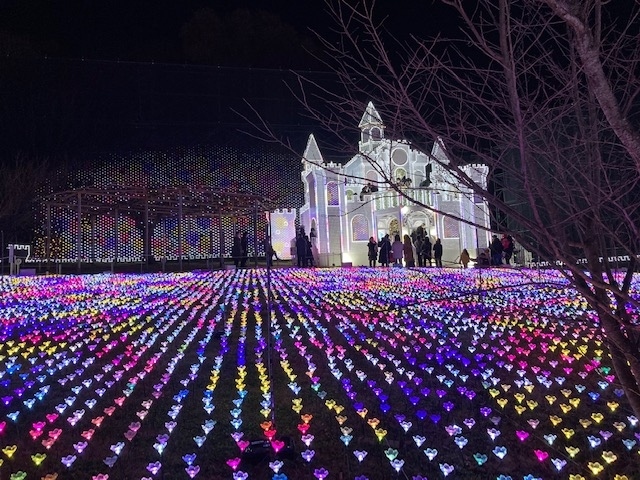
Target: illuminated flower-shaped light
{"type": "Point", "coordinates": [572, 451]}
{"type": "Point", "coordinates": [595, 467]}
{"type": "Point", "coordinates": [10, 450]}
{"type": "Point", "coordinates": [397, 464]}
{"type": "Point", "coordinates": [446, 469]}
{"type": "Point", "coordinates": [360, 454]}
{"type": "Point", "coordinates": [276, 465]}
{"type": "Point", "coordinates": [380, 433]}
{"type": "Point", "coordinates": [277, 445]}
{"type": "Point", "coordinates": [480, 458]}
{"type": "Point", "coordinates": [68, 460]}
{"type": "Point", "coordinates": [461, 441]}
{"type": "Point", "coordinates": [308, 455]}
{"type": "Point", "coordinates": [430, 453]}
{"type": "Point", "coordinates": [192, 470]}
{"type": "Point", "coordinates": [594, 442]}
{"type": "Point", "coordinates": [38, 458]}
{"type": "Point", "coordinates": [307, 439]}
{"type": "Point", "coordinates": [500, 451]}
{"type": "Point", "coordinates": [321, 473]}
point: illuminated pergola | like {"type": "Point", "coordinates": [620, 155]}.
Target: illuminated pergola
{"type": "Point", "coordinates": [152, 204]}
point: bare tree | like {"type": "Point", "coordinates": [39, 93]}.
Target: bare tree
{"type": "Point", "coordinates": [20, 183]}
{"type": "Point", "coordinates": [545, 93]}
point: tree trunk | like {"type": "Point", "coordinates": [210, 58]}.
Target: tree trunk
{"type": "Point", "coordinates": [625, 358]}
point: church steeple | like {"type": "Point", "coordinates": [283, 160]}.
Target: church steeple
{"type": "Point", "coordinates": [312, 155]}
{"type": "Point", "coordinates": [371, 128]}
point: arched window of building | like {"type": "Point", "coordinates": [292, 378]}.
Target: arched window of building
{"type": "Point", "coordinates": [399, 173]}
{"type": "Point", "coordinates": [359, 228]}
{"type": "Point", "coordinates": [332, 194]}
{"type": "Point", "coordinates": [376, 134]}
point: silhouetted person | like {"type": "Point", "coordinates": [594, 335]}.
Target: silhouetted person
{"type": "Point", "coordinates": [244, 245]}
{"type": "Point", "coordinates": [437, 252]}
{"type": "Point", "coordinates": [236, 250]}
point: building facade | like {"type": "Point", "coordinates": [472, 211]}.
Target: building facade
{"type": "Point", "coordinates": [388, 187]}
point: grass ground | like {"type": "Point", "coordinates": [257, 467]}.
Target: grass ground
{"type": "Point", "coordinates": [353, 374]}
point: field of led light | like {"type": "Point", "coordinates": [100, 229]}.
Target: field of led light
{"type": "Point", "coordinates": [361, 374]}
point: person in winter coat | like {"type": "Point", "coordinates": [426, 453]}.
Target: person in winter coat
{"type": "Point", "coordinates": [397, 248]}
{"type": "Point", "coordinates": [465, 258]}
{"type": "Point", "coordinates": [408, 251]}
{"type": "Point", "coordinates": [496, 251]}
{"type": "Point", "coordinates": [385, 251]}
{"type": "Point", "coordinates": [236, 250]}
{"type": "Point", "coordinates": [426, 251]}
{"type": "Point", "coordinates": [418, 249]}
{"type": "Point", "coordinates": [373, 251]}
{"type": "Point", "coordinates": [437, 252]}
{"type": "Point", "coordinates": [507, 247]}
{"type": "Point", "coordinates": [301, 250]}
{"type": "Point", "coordinates": [244, 247]}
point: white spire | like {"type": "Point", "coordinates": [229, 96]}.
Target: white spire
{"type": "Point", "coordinates": [370, 118]}
{"type": "Point", "coordinates": [312, 155]}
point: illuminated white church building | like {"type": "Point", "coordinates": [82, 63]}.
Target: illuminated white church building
{"type": "Point", "coordinates": [341, 218]}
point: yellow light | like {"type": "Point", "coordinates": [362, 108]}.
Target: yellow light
{"type": "Point", "coordinates": [555, 420]}
{"type": "Point", "coordinates": [380, 433]}
{"type": "Point", "coordinates": [565, 408]}
{"type": "Point", "coordinates": [572, 451]}
{"type": "Point", "coordinates": [595, 467]}
{"type": "Point", "coordinates": [373, 422]}
{"type": "Point", "coordinates": [585, 422]}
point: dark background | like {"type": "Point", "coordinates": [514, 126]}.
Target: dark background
{"type": "Point", "coordinates": [91, 86]}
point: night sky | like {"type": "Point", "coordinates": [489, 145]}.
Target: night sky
{"type": "Point", "coordinates": [158, 30]}
{"type": "Point", "coordinates": [80, 77]}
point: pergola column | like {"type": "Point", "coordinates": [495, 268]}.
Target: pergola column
{"type": "Point", "coordinates": [79, 233]}
{"type": "Point", "coordinates": [47, 244]}
{"type": "Point", "coordinates": [180, 233]}
{"type": "Point", "coordinates": [221, 234]}
{"type": "Point", "coordinates": [255, 235]}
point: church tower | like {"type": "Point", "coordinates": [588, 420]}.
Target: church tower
{"type": "Point", "coordinates": [371, 129]}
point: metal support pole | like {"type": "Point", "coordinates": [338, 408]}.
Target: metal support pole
{"type": "Point", "coordinates": [79, 233]}
{"type": "Point", "coordinates": [221, 233]}
{"type": "Point", "coordinates": [47, 245]}
{"type": "Point", "coordinates": [255, 236]}
{"type": "Point", "coordinates": [146, 249]}
{"type": "Point", "coordinates": [180, 233]}
{"type": "Point", "coordinates": [116, 236]}
{"type": "Point", "coordinates": [93, 238]}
